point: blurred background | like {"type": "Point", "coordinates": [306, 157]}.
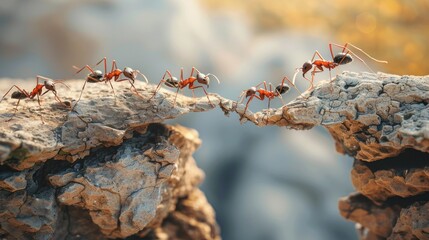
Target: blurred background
{"type": "Point", "coordinates": [264, 183]}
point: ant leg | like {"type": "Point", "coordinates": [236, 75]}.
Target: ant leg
{"type": "Point", "coordinates": [181, 73]}
{"type": "Point", "coordinates": [81, 91]}
{"type": "Point", "coordinates": [59, 100]}
{"type": "Point", "coordinates": [133, 87]}
{"type": "Point", "coordinates": [313, 73]}
{"type": "Point", "coordinates": [160, 82]}
{"type": "Point", "coordinates": [14, 111]}
{"type": "Point", "coordinates": [293, 85]}
{"type": "Point", "coordinates": [207, 95]}
{"type": "Point", "coordinates": [86, 66]}
{"type": "Point", "coordinates": [111, 86]}
{"type": "Point", "coordinates": [175, 98]}
{"type": "Point", "coordinates": [19, 89]}
{"type": "Point", "coordinates": [61, 82]}
{"type": "Point", "coordinates": [114, 65]}
{"type": "Point", "coordinates": [19, 99]}
{"type": "Point", "coordinates": [38, 100]}
{"type": "Point", "coordinates": [269, 99]}
{"type": "Point", "coordinates": [247, 106]}
{"type": "Point", "coordinates": [42, 77]}
{"type": "Point", "coordinates": [316, 53]}
{"type": "Point", "coordinates": [319, 55]}
{"type": "Point", "coordinates": [195, 69]}
{"type": "Point", "coordinates": [360, 50]}
{"type": "Point", "coordinates": [105, 64]}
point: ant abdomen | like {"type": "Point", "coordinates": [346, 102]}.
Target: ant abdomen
{"type": "Point", "coordinates": [172, 82]}
{"type": "Point", "coordinates": [18, 95]}
{"type": "Point", "coordinates": [282, 88]}
{"type": "Point", "coordinates": [342, 58]}
{"type": "Point", "coordinates": [95, 76]}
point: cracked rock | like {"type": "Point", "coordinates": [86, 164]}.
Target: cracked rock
{"type": "Point", "coordinates": [109, 170]}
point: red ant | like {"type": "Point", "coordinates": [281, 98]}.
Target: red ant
{"type": "Point", "coordinates": [182, 83]}
{"type": "Point", "coordinates": [340, 58]}
{"type": "Point", "coordinates": [96, 76]}
{"type": "Point", "coordinates": [48, 83]}
{"type": "Point", "coordinates": [282, 88]}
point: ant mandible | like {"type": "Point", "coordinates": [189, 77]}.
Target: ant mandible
{"type": "Point", "coordinates": [48, 84]}
{"type": "Point", "coordinates": [341, 58]}
{"type": "Point", "coordinates": [252, 92]}
{"type": "Point", "coordinates": [96, 76]}
{"type": "Point", "coordinates": [173, 82]}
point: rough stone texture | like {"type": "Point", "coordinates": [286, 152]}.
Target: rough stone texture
{"type": "Point", "coordinates": [108, 171]}
{"type": "Point", "coordinates": [87, 156]}
{"type": "Point", "coordinates": [382, 121]}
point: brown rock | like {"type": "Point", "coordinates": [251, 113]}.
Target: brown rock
{"type": "Point", "coordinates": [108, 171]}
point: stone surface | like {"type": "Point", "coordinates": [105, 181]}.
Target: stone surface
{"type": "Point", "coordinates": [104, 171]}
{"type": "Point", "coordinates": [88, 156]}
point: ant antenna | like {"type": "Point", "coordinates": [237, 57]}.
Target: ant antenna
{"type": "Point", "coordinates": [210, 74]}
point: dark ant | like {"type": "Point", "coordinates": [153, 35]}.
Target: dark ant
{"type": "Point", "coordinates": [252, 92]}
{"type": "Point", "coordinates": [173, 82]}
{"type": "Point", "coordinates": [97, 76]}
{"type": "Point", "coordinates": [48, 83]}
{"type": "Point", "coordinates": [341, 58]}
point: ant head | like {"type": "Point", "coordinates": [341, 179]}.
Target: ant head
{"type": "Point", "coordinates": [306, 67]}
{"type": "Point", "coordinates": [203, 79]}
{"type": "Point", "coordinates": [50, 85]}
{"type": "Point", "coordinates": [342, 58]}
{"type": "Point", "coordinates": [172, 82]}
{"type": "Point", "coordinates": [282, 88]}
{"type": "Point", "coordinates": [250, 92]}
{"type": "Point", "coordinates": [129, 73]}
{"type": "Point", "coordinates": [18, 95]}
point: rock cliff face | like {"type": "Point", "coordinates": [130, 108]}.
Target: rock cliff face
{"type": "Point", "coordinates": [108, 170]}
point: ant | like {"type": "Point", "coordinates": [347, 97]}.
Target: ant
{"type": "Point", "coordinates": [341, 58]}
{"type": "Point", "coordinates": [48, 84]}
{"type": "Point", "coordinates": [252, 92]}
{"type": "Point", "coordinates": [173, 82]}
{"type": "Point", "coordinates": [97, 76]}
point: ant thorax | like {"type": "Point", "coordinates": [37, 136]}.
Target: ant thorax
{"type": "Point", "coordinates": [172, 82]}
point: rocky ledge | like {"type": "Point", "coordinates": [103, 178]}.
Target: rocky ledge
{"type": "Point", "coordinates": [109, 169]}
{"type": "Point", "coordinates": [112, 169]}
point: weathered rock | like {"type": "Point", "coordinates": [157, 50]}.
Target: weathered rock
{"type": "Point", "coordinates": [194, 220]}
{"type": "Point", "coordinates": [108, 171]}
{"type": "Point", "coordinates": [89, 155]}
